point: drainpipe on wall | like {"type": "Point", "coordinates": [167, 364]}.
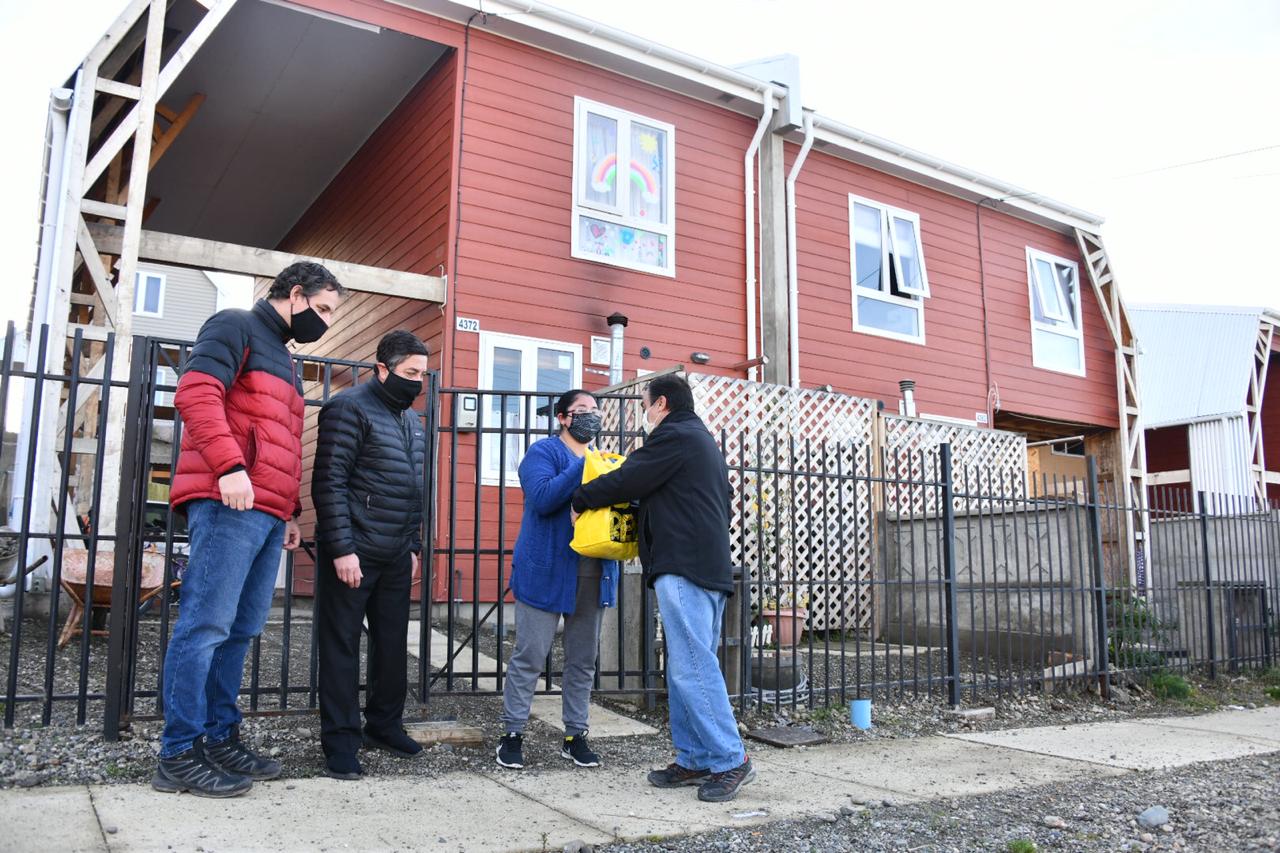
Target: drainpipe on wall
{"type": "Point", "coordinates": [748, 161]}
{"type": "Point", "coordinates": [793, 275]}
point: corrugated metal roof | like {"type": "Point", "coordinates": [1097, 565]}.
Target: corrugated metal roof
{"type": "Point", "coordinates": [1195, 360]}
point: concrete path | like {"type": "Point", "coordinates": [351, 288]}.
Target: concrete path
{"type": "Point", "coordinates": [604, 723]}
{"type": "Point", "coordinates": [493, 810]}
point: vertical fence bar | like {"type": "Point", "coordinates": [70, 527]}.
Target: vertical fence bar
{"type": "Point", "coordinates": [119, 647]}
{"type": "Point", "coordinates": [1099, 580]}
{"type": "Point", "coordinates": [949, 575]}
{"type": "Point", "coordinates": [91, 558]}
{"type": "Point", "coordinates": [1202, 511]}
{"type": "Point", "coordinates": [24, 531]}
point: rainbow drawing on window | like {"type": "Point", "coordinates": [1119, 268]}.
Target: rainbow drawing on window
{"type": "Point", "coordinates": [605, 174]}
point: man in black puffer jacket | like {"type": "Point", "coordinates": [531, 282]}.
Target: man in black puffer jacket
{"type": "Point", "coordinates": [367, 488]}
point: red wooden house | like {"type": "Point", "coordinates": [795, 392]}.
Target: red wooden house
{"type": "Point", "coordinates": [547, 171]}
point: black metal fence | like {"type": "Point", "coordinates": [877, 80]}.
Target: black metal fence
{"type": "Point", "coordinates": [862, 574]}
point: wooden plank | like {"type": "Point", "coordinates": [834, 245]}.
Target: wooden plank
{"type": "Point", "coordinates": [104, 209]}
{"type": "Point", "coordinates": [180, 122]}
{"type": "Point", "coordinates": [430, 733]}
{"type": "Point", "coordinates": [1168, 478]}
{"type": "Point", "coordinates": [129, 126]}
{"type": "Point", "coordinates": [248, 260]}
{"type": "Point", "coordinates": [90, 333]}
{"type": "Point", "coordinates": [106, 297]}
{"type": "Point", "coordinates": [120, 90]}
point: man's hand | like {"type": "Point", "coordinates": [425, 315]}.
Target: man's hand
{"type": "Point", "coordinates": [348, 569]}
{"type": "Point", "coordinates": [574, 515]}
{"type": "Point", "coordinates": [292, 535]}
{"type": "Point", "coordinates": [417, 568]}
{"type": "Point", "coordinates": [237, 491]}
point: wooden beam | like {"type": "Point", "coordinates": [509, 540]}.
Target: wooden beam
{"type": "Point", "coordinates": [129, 125]}
{"type": "Point", "coordinates": [180, 122]}
{"type": "Point", "coordinates": [101, 278]}
{"type": "Point", "coordinates": [102, 208]}
{"type": "Point", "coordinates": [120, 90]}
{"type": "Point", "coordinates": [1168, 478]}
{"type": "Point", "coordinates": [247, 260]}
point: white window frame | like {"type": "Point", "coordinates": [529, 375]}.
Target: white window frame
{"type": "Point", "coordinates": [1033, 285]}
{"type": "Point", "coordinates": [165, 375]}
{"type": "Point", "coordinates": [489, 341]}
{"type": "Point", "coordinates": [139, 279]}
{"type": "Point", "coordinates": [918, 295]}
{"type": "Point", "coordinates": [1054, 451]}
{"type": "Point", "coordinates": [616, 214]}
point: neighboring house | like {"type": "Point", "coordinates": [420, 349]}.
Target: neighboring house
{"type": "Point", "coordinates": [556, 171]}
{"type": "Point", "coordinates": [1210, 424]}
{"type": "Point", "coordinates": [172, 302]}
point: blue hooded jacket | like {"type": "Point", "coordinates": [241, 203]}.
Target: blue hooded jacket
{"type": "Point", "coordinates": [544, 569]}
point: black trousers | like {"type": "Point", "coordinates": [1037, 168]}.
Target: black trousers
{"type": "Point", "coordinates": [383, 596]}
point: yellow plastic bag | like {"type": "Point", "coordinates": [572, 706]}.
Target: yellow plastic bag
{"type": "Point", "coordinates": [607, 533]}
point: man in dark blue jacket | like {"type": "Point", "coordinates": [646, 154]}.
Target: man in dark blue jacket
{"type": "Point", "coordinates": [367, 488]}
{"type": "Point", "coordinates": [681, 481]}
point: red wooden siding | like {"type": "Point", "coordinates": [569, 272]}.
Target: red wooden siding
{"type": "Point", "coordinates": [949, 369]}
{"type": "Point", "coordinates": [515, 272]}
{"type": "Point", "coordinates": [388, 207]}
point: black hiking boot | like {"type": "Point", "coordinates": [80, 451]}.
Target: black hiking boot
{"type": "Point", "coordinates": [232, 756]}
{"type": "Point", "coordinates": [193, 771]}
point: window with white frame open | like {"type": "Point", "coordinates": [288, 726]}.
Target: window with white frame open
{"type": "Point", "coordinates": [890, 284]}
{"type": "Point", "coordinates": [518, 364]}
{"type": "Point", "coordinates": [148, 294]}
{"type": "Point", "coordinates": [623, 189]}
{"type": "Point", "coordinates": [1057, 341]}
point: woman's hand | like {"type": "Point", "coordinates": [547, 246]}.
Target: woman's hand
{"type": "Point", "coordinates": [574, 515]}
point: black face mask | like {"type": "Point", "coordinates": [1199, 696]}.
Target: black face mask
{"type": "Point", "coordinates": [585, 426]}
{"type": "Point", "coordinates": [402, 392]}
{"type": "Point", "coordinates": [306, 325]}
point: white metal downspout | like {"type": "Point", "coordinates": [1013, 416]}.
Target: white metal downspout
{"type": "Point", "coordinates": [42, 302]}
{"type": "Point", "coordinates": [748, 163]}
{"type": "Point", "coordinates": [793, 275]}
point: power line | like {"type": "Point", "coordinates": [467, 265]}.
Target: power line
{"type": "Point", "coordinates": [1199, 162]}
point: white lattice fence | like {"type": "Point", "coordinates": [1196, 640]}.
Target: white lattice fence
{"type": "Point", "coordinates": [802, 524]}
{"type": "Point", "coordinates": [983, 461]}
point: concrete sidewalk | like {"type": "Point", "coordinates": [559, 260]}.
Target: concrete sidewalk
{"type": "Point", "coordinates": [507, 810]}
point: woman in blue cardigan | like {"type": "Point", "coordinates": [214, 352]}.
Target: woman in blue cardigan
{"type": "Point", "coordinates": [549, 580]}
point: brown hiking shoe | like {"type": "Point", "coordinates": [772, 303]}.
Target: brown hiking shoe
{"type": "Point", "coordinates": [675, 776]}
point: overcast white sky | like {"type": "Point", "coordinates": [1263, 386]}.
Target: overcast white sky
{"type": "Point", "coordinates": [1094, 102]}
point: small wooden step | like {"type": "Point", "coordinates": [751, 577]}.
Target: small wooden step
{"type": "Point", "coordinates": [433, 732]}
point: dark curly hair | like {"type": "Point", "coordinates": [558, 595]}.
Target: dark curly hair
{"type": "Point", "coordinates": [312, 276]}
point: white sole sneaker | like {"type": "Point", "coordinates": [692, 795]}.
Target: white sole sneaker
{"type": "Point", "coordinates": [497, 754]}
{"type": "Point", "coordinates": [564, 753]}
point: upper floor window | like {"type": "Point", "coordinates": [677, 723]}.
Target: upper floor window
{"type": "Point", "coordinates": [890, 284]}
{"type": "Point", "coordinates": [623, 189]}
{"type": "Point", "coordinates": [148, 294]}
{"type": "Point", "coordinates": [1057, 342]}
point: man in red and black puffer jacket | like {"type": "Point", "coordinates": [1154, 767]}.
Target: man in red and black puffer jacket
{"type": "Point", "coordinates": [238, 481]}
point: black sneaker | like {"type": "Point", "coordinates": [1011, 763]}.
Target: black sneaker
{"type": "Point", "coordinates": [232, 756]}
{"type": "Point", "coordinates": [394, 741]}
{"type": "Point", "coordinates": [577, 750]}
{"type": "Point", "coordinates": [511, 751]}
{"type": "Point", "coordinates": [725, 786]}
{"type": "Point", "coordinates": [343, 766]}
{"type": "Point", "coordinates": [192, 771]}
{"type": "Point", "coordinates": [676, 776]}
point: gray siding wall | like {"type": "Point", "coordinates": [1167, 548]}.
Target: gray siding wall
{"type": "Point", "coordinates": [189, 299]}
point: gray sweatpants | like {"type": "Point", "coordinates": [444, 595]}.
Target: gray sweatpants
{"type": "Point", "coordinates": [535, 632]}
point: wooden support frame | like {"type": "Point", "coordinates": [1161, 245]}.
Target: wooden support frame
{"type": "Point", "coordinates": [1253, 407]}
{"type": "Point", "coordinates": [248, 260]}
{"type": "Point", "coordinates": [1130, 470]}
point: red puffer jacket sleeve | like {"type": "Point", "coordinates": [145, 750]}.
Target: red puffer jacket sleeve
{"type": "Point", "coordinates": [201, 398]}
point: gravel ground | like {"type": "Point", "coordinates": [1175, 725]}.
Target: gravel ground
{"type": "Point", "coordinates": [62, 753]}
{"type": "Point", "coordinates": [1221, 806]}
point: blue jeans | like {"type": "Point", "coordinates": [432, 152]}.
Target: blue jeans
{"type": "Point", "coordinates": [703, 729]}
{"type": "Point", "coordinates": [226, 596]}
